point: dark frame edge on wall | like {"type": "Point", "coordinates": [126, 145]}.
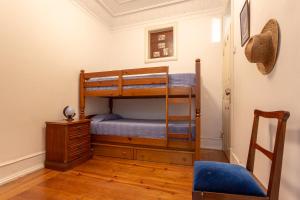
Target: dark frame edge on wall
{"type": "Point", "coordinates": [246, 4]}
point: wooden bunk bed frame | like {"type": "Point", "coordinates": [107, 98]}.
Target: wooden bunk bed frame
{"type": "Point", "coordinates": [182, 150]}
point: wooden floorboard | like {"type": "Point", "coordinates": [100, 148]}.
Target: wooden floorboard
{"type": "Point", "coordinates": [108, 178]}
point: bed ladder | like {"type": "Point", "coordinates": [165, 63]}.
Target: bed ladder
{"type": "Point", "coordinates": [175, 101]}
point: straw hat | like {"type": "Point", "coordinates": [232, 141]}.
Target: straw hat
{"type": "Point", "coordinates": [262, 48]}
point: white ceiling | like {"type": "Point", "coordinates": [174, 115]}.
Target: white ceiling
{"type": "Point", "coordinates": [125, 7]}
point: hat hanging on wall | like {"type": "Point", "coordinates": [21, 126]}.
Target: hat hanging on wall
{"type": "Point", "coordinates": [262, 48]}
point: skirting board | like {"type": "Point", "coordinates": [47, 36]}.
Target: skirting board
{"type": "Point", "coordinates": [20, 174]}
{"type": "Point", "coordinates": [212, 143]}
{"type": "Point", "coordinates": [17, 168]}
{"type": "Point", "coordinates": [234, 158]}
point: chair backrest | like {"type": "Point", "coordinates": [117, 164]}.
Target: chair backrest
{"type": "Point", "coordinates": [276, 155]}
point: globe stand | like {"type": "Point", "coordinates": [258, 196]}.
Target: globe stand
{"type": "Point", "coordinates": [69, 113]}
{"type": "Point", "coordinates": [70, 118]}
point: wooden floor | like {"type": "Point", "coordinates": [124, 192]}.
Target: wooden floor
{"type": "Point", "coordinates": [108, 178]}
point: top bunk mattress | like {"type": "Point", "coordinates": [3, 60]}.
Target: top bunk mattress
{"type": "Point", "coordinates": [175, 80]}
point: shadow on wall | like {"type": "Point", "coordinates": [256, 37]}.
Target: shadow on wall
{"type": "Point", "coordinates": [272, 134]}
{"type": "Point", "coordinates": [43, 137]}
{"type": "Point", "coordinates": [211, 113]}
{"type": "Point", "coordinates": [96, 105]}
{"type": "Point", "coordinates": [290, 168]}
{"type": "Point", "coordinates": [292, 136]}
{"type": "Point", "coordinates": [289, 186]}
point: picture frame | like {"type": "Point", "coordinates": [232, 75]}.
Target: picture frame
{"type": "Point", "coordinates": [161, 43]}
{"type": "Point", "coordinates": [245, 23]}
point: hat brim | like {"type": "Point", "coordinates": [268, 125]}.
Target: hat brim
{"type": "Point", "coordinates": [273, 27]}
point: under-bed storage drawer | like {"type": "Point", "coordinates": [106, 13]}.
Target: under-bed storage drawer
{"type": "Point", "coordinates": [113, 151]}
{"type": "Point", "coordinates": [165, 156]}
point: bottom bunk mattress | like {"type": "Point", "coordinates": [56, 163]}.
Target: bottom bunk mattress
{"type": "Point", "coordinates": [143, 128]}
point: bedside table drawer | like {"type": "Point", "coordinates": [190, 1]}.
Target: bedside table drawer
{"type": "Point", "coordinates": [79, 131]}
{"type": "Point", "coordinates": [68, 143]}
{"type": "Point", "coordinates": [77, 151]}
{"type": "Point", "coordinates": [80, 141]}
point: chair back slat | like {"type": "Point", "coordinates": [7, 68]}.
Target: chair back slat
{"type": "Point", "coordinates": [276, 155]}
{"type": "Point", "coordinates": [267, 153]}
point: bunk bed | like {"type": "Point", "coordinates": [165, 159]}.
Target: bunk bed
{"type": "Point", "coordinates": [174, 140]}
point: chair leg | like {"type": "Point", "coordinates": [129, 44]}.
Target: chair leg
{"type": "Point", "coordinates": [197, 196]}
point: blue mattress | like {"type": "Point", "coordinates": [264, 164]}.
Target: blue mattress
{"type": "Point", "coordinates": [175, 80]}
{"type": "Point", "coordinates": [143, 128]}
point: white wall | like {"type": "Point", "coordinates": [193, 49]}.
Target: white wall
{"type": "Point", "coordinates": [43, 46]}
{"type": "Point", "coordinates": [276, 91]}
{"type": "Point", "coordinates": [194, 41]}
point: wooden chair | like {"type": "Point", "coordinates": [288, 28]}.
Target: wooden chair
{"type": "Point", "coordinates": [224, 181]}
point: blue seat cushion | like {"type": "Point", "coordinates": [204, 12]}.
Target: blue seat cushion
{"type": "Point", "coordinates": [225, 178]}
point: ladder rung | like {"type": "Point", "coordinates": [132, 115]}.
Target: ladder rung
{"type": "Point", "coordinates": [179, 118]}
{"type": "Point", "coordinates": [179, 135]}
{"type": "Point", "coordinates": [179, 90]}
{"type": "Point", "coordinates": [179, 100]}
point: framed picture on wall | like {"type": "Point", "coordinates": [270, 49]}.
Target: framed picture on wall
{"type": "Point", "coordinates": [161, 43]}
{"type": "Point", "coordinates": [245, 23]}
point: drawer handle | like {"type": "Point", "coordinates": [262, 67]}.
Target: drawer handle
{"type": "Point", "coordinates": [124, 153]}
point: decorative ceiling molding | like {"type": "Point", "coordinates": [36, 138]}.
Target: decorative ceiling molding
{"type": "Point", "coordinates": [119, 8]}
{"type": "Point", "coordinates": [123, 1]}
{"type": "Point", "coordinates": [95, 10]}
{"type": "Point", "coordinates": [124, 13]}
{"type": "Point", "coordinates": [183, 9]}
{"type": "Point", "coordinates": [217, 12]}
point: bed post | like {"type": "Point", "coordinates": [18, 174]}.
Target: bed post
{"type": "Point", "coordinates": [81, 96]}
{"type": "Point", "coordinates": [167, 107]}
{"type": "Point", "coordinates": [198, 109]}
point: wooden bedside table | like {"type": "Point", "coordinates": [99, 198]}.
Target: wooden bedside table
{"type": "Point", "coordinates": [67, 144]}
